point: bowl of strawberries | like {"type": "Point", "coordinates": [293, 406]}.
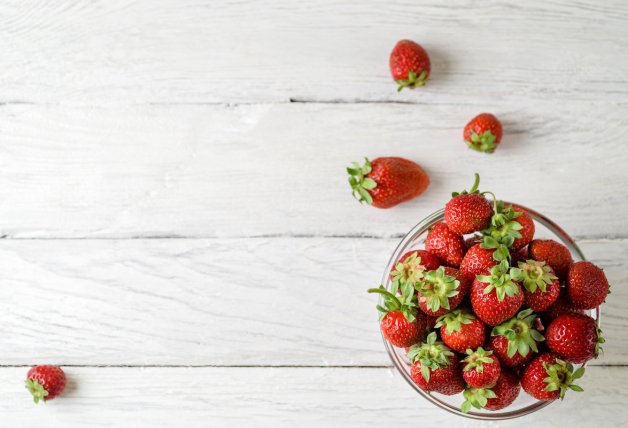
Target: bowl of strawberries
{"type": "Point", "coordinates": [489, 310]}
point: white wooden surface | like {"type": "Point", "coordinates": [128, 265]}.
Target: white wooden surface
{"type": "Point", "coordinates": [180, 236]}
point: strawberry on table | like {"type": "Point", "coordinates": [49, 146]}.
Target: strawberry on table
{"type": "Point", "coordinates": [548, 377]}
{"type": "Point", "coordinates": [441, 290]}
{"type": "Point", "coordinates": [497, 397]}
{"type": "Point", "coordinates": [45, 382]}
{"type": "Point", "coordinates": [387, 181]}
{"type": "Point", "coordinates": [514, 342]}
{"type": "Point", "coordinates": [409, 64]}
{"type": "Point", "coordinates": [483, 133]}
{"type": "Point", "coordinates": [412, 265]}
{"type": "Point", "coordinates": [574, 337]}
{"type": "Point", "coordinates": [587, 285]}
{"type": "Point", "coordinates": [555, 254]}
{"type": "Point", "coordinates": [468, 212]}
{"type": "Point", "coordinates": [540, 286]}
{"type": "Point", "coordinates": [447, 245]}
{"type": "Point", "coordinates": [460, 330]}
{"type": "Point", "coordinates": [435, 367]}
{"type": "Point", "coordinates": [495, 297]}
{"type": "Point", "coordinates": [481, 368]}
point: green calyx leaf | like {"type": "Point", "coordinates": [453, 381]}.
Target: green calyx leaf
{"type": "Point", "coordinates": [474, 188]}
{"type": "Point", "coordinates": [476, 359]}
{"type": "Point", "coordinates": [500, 281]}
{"type": "Point", "coordinates": [404, 302]}
{"type": "Point", "coordinates": [413, 81]}
{"type": "Point", "coordinates": [360, 182]}
{"type": "Point", "coordinates": [534, 275]}
{"type": "Point", "coordinates": [409, 271]}
{"type": "Point", "coordinates": [432, 355]}
{"type": "Point", "coordinates": [37, 390]}
{"type": "Point", "coordinates": [560, 377]}
{"type": "Point", "coordinates": [484, 142]}
{"type": "Point", "coordinates": [435, 289]}
{"type": "Point", "coordinates": [453, 320]}
{"type": "Point", "coordinates": [522, 336]}
{"type": "Point", "coordinates": [598, 343]}
{"type": "Point", "coordinates": [503, 229]}
{"type": "Point", "coordinates": [476, 397]}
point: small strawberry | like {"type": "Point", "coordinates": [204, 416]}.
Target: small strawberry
{"type": "Point", "coordinates": [574, 337]}
{"type": "Point", "coordinates": [447, 245]}
{"type": "Point", "coordinates": [468, 212]}
{"type": "Point", "coordinates": [482, 368]}
{"type": "Point", "coordinates": [548, 377]}
{"type": "Point", "coordinates": [515, 341]}
{"type": "Point", "coordinates": [401, 323]}
{"type": "Point", "coordinates": [556, 255]}
{"type": "Point", "coordinates": [483, 133]}
{"type": "Point", "coordinates": [435, 367]}
{"type": "Point", "coordinates": [587, 285]}
{"type": "Point", "coordinates": [540, 286]}
{"type": "Point", "coordinates": [460, 330]}
{"type": "Point", "coordinates": [387, 181]}
{"type": "Point", "coordinates": [409, 65]}
{"type": "Point", "coordinates": [412, 265]}
{"type": "Point", "coordinates": [441, 290]}
{"type": "Point", "coordinates": [45, 382]}
{"type": "Point", "coordinates": [562, 305]}
{"type": "Point", "coordinates": [497, 397]}
{"type": "Point", "coordinates": [495, 297]}
{"type": "Point", "coordinates": [477, 261]}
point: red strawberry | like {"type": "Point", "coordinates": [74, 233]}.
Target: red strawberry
{"type": "Point", "coordinates": [556, 255]}
{"type": "Point", "coordinates": [562, 305]}
{"type": "Point", "coordinates": [461, 330]}
{"type": "Point", "coordinates": [45, 382]}
{"type": "Point", "coordinates": [412, 265]}
{"type": "Point", "coordinates": [447, 245]}
{"type": "Point", "coordinates": [548, 377]}
{"type": "Point", "coordinates": [587, 285]}
{"type": "Point", "coordinates": [483, 133]}
{"type": "Point", "coordinates": [441, 290]}
{"type": "Point", "coordinates": [477, 261]}
{"type": "Point", "coordinates": [515, 341]}
{"type": "Point", "coordinates": [388, 181]}
{"type": "Point", "coordinates": [482, 368]}
{"type": "Point", "coordinates": [511, 227]}
{"type": "Point", "coordinates": [409, 64]}
{"type": "Point", "coordinates": [541, 286]}
{"type": "Point", "coordinates": [495, 297]}
{"type": "Point", "coordinates": [497, 397]}
{"type": "Point", "coordinates": [401, 323]}
{"type": "Point", "coordinates": [435, 367]}
{"type": "Point", "coordinates": [468, 212]}
{"type": "Point", "coordinates": [574, 337]}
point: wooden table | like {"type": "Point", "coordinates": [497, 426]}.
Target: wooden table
{"type": "Point", "coordinates": [179, 233]}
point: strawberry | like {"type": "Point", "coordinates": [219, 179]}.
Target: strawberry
{"type": "Point", "coordinates": [401, 323]}
{"type": "Point", "coordinates": [548, 377]}
{"type": "Point", "coordinates": [468, 212]}
{"type": "Point", "coordinates": [515, 341]}
{"type": "Point", "coordinates": [562, 305]}
{"type": "Point", "coordinates": [387, 181]}
{"type": "Point", "coordinates": [435, 367]}
{"type": "Point", "coordinates": [587, 285]}
{"type": "Point", "coordinates": [496, 397]}
{"type": "Point", "coordinates": [412, 265]}
{"type": "Point", "coordinates": [447, 245]}
{"type": "Point", "coordinates": [460, 330]}
{"type": "Point", "coordinates": [540, 286]}
{"type": "Point", "coordinates": [45, 382]}
{"type": "Point", "coordinates": [409, 64]}
{"type": "Point", "coordinates": [441, 290]}
{"type": "Point", "coordinates": [482, 368]}
{"type": "Point", "coordinates": [477, 261]}
{"type": "Point", "coordinates": [574, 337]}
{"type": "Point", "coordinates": [556, 255]}
{"type": "Point", "coordinates": [495, 297]}
{"type": "Point", "coordinates": [511, 228]}
{"type": "Point", "coordinates": [483, 133]}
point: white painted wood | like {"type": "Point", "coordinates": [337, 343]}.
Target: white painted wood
{"type": "Point", "coordinates": [218, 171]}
{"type": "Point", "coordinates": [187, 51]}
{"type": "Point", "coordinates": [297, 301]}
{"type": "Point", "coordinates": [278, 397]}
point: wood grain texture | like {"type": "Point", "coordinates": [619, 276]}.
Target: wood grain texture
{"type": "Point", "coordinates": [201, 171]}
{"type": "Point", "coordinates": [279, 301]}
{"type": "Point", "coordinates": [120, 52]}
{"type": "Point", "coordinates": [277, 397]}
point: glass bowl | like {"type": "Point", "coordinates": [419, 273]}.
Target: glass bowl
{"type": "Point", "coordinates": [524, 404]}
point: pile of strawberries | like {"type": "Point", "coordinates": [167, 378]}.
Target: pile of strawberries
{"type": "Point", "coordinates": [485, 309]}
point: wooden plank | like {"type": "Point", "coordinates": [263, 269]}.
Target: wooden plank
{"type": "Point", "coordinates": [277, 397]}
{"type": "Point", "coordinates": [117, 52]}
{"type": "Point", "coordinates": [199, 171]}
{"type": "Point", "coordinates": [265, 301]}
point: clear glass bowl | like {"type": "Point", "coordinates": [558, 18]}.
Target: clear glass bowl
{"type": "Point", "coordinates": [415, 239]}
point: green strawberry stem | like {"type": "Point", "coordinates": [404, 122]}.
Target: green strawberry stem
{"type": "Point", "coordinates": [476, 397]}
{"type": "Point", "coordinates": [37, 390]}
{"type": "Point", "coordinates": [561, 376]}
{"type": "Point", "coordinates": [476, 359]}
{"type": "Point", "coordinates": [413, 80]}
{"type": "Point", "coordinates": [431, 354]}
{"type": "Point", "coordinates": [360, 182]}
{"type": "Point", "coordinates": [522, 336]}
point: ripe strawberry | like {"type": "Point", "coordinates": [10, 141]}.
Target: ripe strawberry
{"type": "Point", "coordinates": [412, 265]}
{"type": "Point", "coordinates": [574, 337]}
{"type": "Point", "coordinates": [482, 368]}
{"type": "Point", "coordinates": [540, 286]}
{"type": "Point", "coordinates": [460, 330]}
{"type": "Point", "coordinates": [387, 181]}
{"type": "Point", "coordinates": [468, 212]}
{"type": "Point", "coordinates": [511, 227]}
{"type": "Point", "coordinates": [45, 382]}
{"type": "Point", "coordinates": [514, 342]}
{"type": "Point", "coordinates": [495, 297]}
{"type": "Point", "coordinates": [401, 323]}
{"type": "Point", "coordinates": [497, 397]}
{"type": "Point", "coordinates": [477, 261]}
{"type": "Point", "coordinates": [435, 367]}
{"type": "Point", "coordinates": [556, 255]}
{"type": "Point", "coordinates": [483, 133]}
{"type": "Point", "coordinates": [548, 377]}
{"type": "Point", "coordinates": [441, 290]}
{"type": "Point", "coordinates": [562, 305]}
{"type": "Point", "coordinates": [447, 245]}
{"type": "Point", "coordinates": [409, 64]}
{"type": "Point", "coordinates": [587, 285]}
